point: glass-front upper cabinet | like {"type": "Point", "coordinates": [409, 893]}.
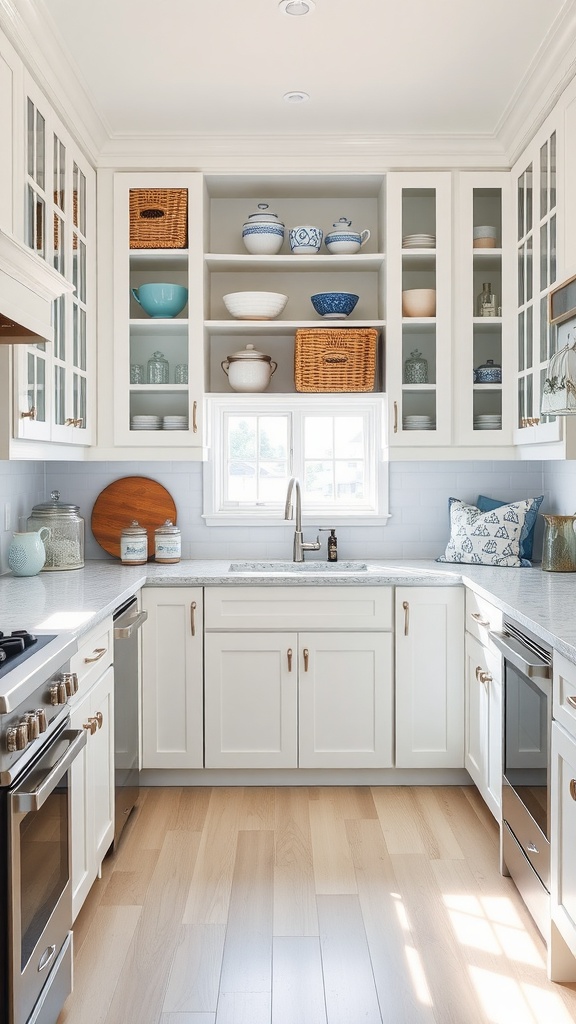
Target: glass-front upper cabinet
{"type": "Point", "coordinates": [538, 222]}
{"type": "Point", "coordinates": [53, 380]}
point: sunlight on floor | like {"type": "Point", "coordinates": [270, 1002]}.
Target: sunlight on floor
{"type": "Point", "coordinates": [413, 959]}
{"type": "Point", "coordinates": [493, 925]}
{"type": "Point", "coordinates": [504, 1000]}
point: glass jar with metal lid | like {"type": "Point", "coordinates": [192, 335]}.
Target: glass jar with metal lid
{"type": "Point", "coordinates": [65, 542]}
{"type": "Point", "coordinates": [168, 543]}
{"type": "Point", "coordinates": [134, 544]}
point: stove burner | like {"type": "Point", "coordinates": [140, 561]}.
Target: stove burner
{"type": "Point", "coordinates": [12, 645]}
{"type": "Point", "coordinates": [18, 647]}
{"type": "Point", "coordinates": [27, 637]}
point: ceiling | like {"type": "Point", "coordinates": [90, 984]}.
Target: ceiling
{"type": "Point", "coordinates": [377, 67]}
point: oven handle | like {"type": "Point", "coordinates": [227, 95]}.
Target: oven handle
{"type": "Point", "coordinates": [32, 801]}
{"type": "Point", "coordinates": [521, 657]}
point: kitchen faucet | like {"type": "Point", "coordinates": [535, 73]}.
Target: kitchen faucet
{"type": "Point", "coordinates": [300, 546]}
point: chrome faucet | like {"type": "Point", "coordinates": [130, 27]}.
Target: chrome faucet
{"type": "Point", "coordinates": [300, 546]}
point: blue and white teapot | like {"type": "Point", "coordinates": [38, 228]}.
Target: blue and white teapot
{"type": "Point", "coordinates": [343, 240]}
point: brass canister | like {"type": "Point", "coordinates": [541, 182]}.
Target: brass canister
{"type": "Point", "coordinates": [559, 547]}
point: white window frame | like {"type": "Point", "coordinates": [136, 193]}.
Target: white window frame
{"type": "Point", "coordinates": [370, 406]}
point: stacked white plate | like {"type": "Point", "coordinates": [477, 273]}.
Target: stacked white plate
{"type": "Point", "coordinates": [419, 242]}
{"type": "Point", "coordinates": [146, 423]}
{"type": "Point", "coordinates": [418, 423]}
{"type": "Point", "coordinates": [175, 423]}
{"type": "Point", "coordinates": [485, 421]}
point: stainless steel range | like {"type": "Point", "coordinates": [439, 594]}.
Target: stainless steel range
{"type": "Point", "coordinates": [37, 748]}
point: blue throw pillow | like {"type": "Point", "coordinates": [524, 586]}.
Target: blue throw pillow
{"type": "Point", "coordinates": [527, 538]}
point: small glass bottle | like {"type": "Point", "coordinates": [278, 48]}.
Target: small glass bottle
{"type": "Point", "coordinates": [486, 305]}
{"type": "Point", "coordinates": [157, 369]}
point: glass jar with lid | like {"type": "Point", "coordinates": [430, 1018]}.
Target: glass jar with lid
{"type": "Point", "coordinates": [134, 544]}
{"type": "Point", "coordinates": [157, 369]}
{"type": "Point", "coordinates": [65, 541]}
{"type": "Point", "coordinates": [167, 543]}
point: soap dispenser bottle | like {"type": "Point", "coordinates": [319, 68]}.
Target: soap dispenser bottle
{"type": "Point", "coordinates": [332, 544]}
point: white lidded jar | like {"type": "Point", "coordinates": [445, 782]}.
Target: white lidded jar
{"type": "Point", "coordinates": [263, 232]}
{"type": "Point", "coordinates": [167, 543]}
{"type": "Point", "coordinates": [249, 370]}
{"type": "Point", "coordinates": [134, 544]}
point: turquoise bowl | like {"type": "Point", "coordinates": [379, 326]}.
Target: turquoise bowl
{"type": "Point", "coordinates": [161, 300]}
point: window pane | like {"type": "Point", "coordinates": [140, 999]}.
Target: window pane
{"type": "Point", "coordinates": [521, 402]}
{"type": "Point", "coordinates": [544, 180]}
{"type": "Point", "coordinates": [552, 249]}
{"type": "Point", "coordinates": [521, 363]}
{"type": "Point", "coordinates": [521, 181]}
{"type": "Point", "coordinates": [319, 437]}
{"type": "Point", "coordinates": [41, 390]}
{"type": "Point", "coordinates": [543, 256]}
{"type": "Point", "coordinates": [543, 329]}
{"type": "Point", "coordinates": [242, 437]}
{"type": "Point", "coordinates": [272, 482]}
{"type": "Point", "coordinates": [242, 482]}
{"type": "Point", "coordinates": [553, 174]}
{"type": "Point", "coordinates": [79, 337]}
{"type": "Point", "coordinates": [59, 394]}
{"type": "Point", "coordinates": [349, 437]}
{"type": "Point", "coordinates": [529, 268]}
{"type": "Point", "coordinates": [273, 437]}
{"type": "Point", "coordinates": [40, 149]}
{"type": "Point", "coordinates": [59, 165]}
{"type": "Point", "coordinates": [529, 336]}
{"type": "Point", "coordinates": [59, 332]}
{"type": "Point", "coordinates": [30, 138]}
{"type": "Point", "coordinates": [79, 265]}
{"type": "Point", "coordinates": [529, 199]}
{"type": "Point", "coordinates": [79, 398]}
{"type": "Point", "coordinates": [319, 482]}
{"type": "Point", "coordinates": [79, 199]}
{"type": "Point", "coordinates": [521, 277]}
{"type": "Point", "coordinates": [58, 244]}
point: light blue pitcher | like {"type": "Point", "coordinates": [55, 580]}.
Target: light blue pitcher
{"type": "Point", "coordinates": [27, 554]}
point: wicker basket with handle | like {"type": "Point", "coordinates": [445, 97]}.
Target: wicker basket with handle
{"type": "Point", "coordinates": [328, 359]}
{"type": "Point", "coordinates": [158, 218]}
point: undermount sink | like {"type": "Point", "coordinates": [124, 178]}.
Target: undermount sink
{"type": "Point", "coordinates": [286, 567]}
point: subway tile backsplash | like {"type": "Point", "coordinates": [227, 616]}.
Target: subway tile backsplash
{"type": "Point", "coordinates": [419, 493]}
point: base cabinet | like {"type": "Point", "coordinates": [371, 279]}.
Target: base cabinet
{"type": "Point", "coordinates": [483, 743]}
{"type": "Point", "coordinates": [563, 834]}
{"type": "Point", "coordinates": [172, 678]}
{"type": "Point", "coordinates": [92, 785]}
{"type": "Point", "coordinates": [429, 677]}
{"type": "Point", "coordinates": [308, 700]}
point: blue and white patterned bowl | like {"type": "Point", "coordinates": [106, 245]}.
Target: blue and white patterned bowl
{"type": "Point", "coordinates": [305, 239]}
{"type": "Point", "coordinates": [334, 305]}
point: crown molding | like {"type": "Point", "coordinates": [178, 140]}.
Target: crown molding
{"type": "Point", "coordinates": [31, 34]}
{"type": "Point", "coordinates": [545, 80]}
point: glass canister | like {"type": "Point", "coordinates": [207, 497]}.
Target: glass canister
{"type": "Point", "coordinates": [157, 369]}
{"type": "Point", "coordinates": [416, 369]}
{"type": "Point", "coordinates": [65, 541]}
{"type": "Point", "coordinates": [559, 545]}
{"type": "Point", "coordinates": [134, 544]}
{"type": "Point", "coordinates": [168, 543]}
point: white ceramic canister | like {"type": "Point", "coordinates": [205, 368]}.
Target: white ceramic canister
{"type": "Point", "coordinates": [249, 370]}
{"type": "Point", "coordinates": [263, 232]}
{"type": "Point", "coordinates": [27, 554]}
{"type": "Point", "coordinates": [134, 544]}
{"type": "Point", "coordinates": [167, 543]}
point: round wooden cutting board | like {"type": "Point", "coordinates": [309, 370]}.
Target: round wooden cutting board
{"type": "Point", "coordinates": [131, 497]}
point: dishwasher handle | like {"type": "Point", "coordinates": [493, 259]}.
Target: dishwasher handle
{"type": "Point", "coordinates": [520, 656]}
{"type": "Point", "coordinates": [125, 632]}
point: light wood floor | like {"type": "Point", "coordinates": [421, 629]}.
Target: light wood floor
{"type": "Point", "coordinates": [334, 905]}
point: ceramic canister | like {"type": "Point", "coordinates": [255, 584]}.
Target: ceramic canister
{"type": "Point", "coordinates": [249, 370]}
{"type": "Point", "coordinates": [167, 543]}
{"type": "Point", "coordinates": [134, 544]}
{"type": "Point", "coordinates": [263, 232]}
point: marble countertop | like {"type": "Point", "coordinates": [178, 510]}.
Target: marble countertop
{"type": "Point", "coordinates": [75, 600]}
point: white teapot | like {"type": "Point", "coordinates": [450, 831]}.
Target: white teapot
{"type": "Point", "coordinates": [27, 554]}
{"type": "Point", "coordinates": [343, 240]}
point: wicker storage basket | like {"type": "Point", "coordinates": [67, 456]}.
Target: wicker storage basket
{"type": "Point", "coordinates": [335, 360]}
{"type": "Point", "coordinates": [158, 218]}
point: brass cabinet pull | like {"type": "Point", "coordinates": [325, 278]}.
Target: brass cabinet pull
{"type": "Point", "coordinates": [194, 420]}
{"type": "Point", "coordinates": [571, 701]}
{"type": "Point", "coordinates": [99, 718]}
{"type": "Point", "coordinates": [193, 617]}
{"type": "Point", "coordinates": [406, 608]}
{"type": "Point", "coordinates": [289, 656]}
{"type": "Point", "coordinates": [91, 725]}
{"type": "Point", "coordinates": [573, 788]}
{"type": "Point", "coordinates": [306, 654]}
{"type": "Point", "coordinates": [395, 417]}
{"type": "Point", "coordinates": [69, 422]}
{"type": "Point", "coordinates": [78, 422]}
{"type": "Point", "coordinates": [99, 652]}
{"type": "Point", "coordinates": [31, 415]}
{"type": "Point", "coordinates": [479, 619]}
{"type": "Point", "coordinates": [481, 676]}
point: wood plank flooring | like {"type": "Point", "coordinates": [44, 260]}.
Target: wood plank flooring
{"type": "Point", "coordinates": [310, 905]}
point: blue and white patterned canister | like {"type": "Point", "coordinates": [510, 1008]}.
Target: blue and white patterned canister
{"type": "Point", "coordinates": [134, 544]}
{"type": "Point", "coordinates": [168, 543]}
{"type": "Point", "coordinates": [416, 369]}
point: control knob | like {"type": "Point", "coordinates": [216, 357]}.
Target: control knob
{"type": "Point", "coordinates": [17, 736]}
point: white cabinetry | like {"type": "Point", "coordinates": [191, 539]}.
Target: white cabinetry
{"type": "Point", "coordinates": [172, 705]}
{"type": "Point", "coordinates": [12, 135]}
{"type": "Point", "coordinates": [563, 818]}
{"type": "Point", "coordinates": [298, 677]}
{"type": "Point", "coordinates": [483, 731]}
{"type": "Point", "coordinates": [92, 782]}
{"type": "Point", "coordinates": [429, 677]}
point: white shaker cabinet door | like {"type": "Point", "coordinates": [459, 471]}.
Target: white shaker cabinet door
{"type": "Point", "coordinates": [563, 845]}
{"type": "Point", "coordinates": [429, 677]}
{"type": "Point", "coordinates": [172, 678]}
{"type": "Point", "coordinates": [346, 717]}
{"type": "Point", "coordinates": [483, 730]}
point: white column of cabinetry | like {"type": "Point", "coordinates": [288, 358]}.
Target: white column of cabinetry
{"type": "Point", "coordinates": [483, 738]}
{"type": "Point", "coordinates": [429, 677]}
{"type": "Point", "coordinates": [172, 678]}
{"type": "Point", "coordinates": [12, 135]}
{"type": "Point", "coordinates": [562, 948]}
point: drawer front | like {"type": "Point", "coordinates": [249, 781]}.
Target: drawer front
{"type": "Point", "coordinates": [298, 608]}
{"type": "Point", "coordinates": [95, 654]}
{"type": "Point", "coordinates": [564, 689]}
{"type": "Point", "coordinates": [481, 617]}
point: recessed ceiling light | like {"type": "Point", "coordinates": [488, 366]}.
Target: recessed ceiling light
{"type": "Point", "coordinates": [296, 96]}
{"type": "Point", "coordinates": [297, 7]}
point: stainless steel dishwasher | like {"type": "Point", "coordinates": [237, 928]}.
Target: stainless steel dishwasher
{"type": "Point", "coordinates": [127, 622]}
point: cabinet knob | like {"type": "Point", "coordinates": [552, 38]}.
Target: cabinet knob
{"type": "Point", "coordinates": [193, 617]}
{"type": "Point", "coordinates": [482, 676]}
{"type": "Point", "coordinates": [194, 417]}
{"type": "Point", "coordinates": [306, 654]}
{"type": "Point", "coordinates": [395, 417]}
{"type": "Point", "coordinates": [30, 415]}
{"type": "Point", "coordinates": [480, 620]}
{"type": "Point", "coordinates": [573, 788]}
{"type": "Point", "coordinates": [571, 701]}
{"type": "Point", "coordinates": [99, 652]}
{"type": "Point", "coordinates": [289, 656]}
{"type": "Point", "coordinates": [91, 725]}
{"type": "Point", "coordinates": [406, 607]}
{"type": "Point", "coordinates": [99, 718]}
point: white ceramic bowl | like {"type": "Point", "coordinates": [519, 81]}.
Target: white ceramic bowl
{"type": "Point", "coordinates": [419, 302]}
{"type": "Point", "coordinates": [255, 305]}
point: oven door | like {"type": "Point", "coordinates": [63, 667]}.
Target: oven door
{"type": "Point", "coordinates": [40, 904]}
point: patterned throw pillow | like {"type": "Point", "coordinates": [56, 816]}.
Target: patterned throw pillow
{"type": "Point", "coordinates": [527, 540]}
{"type": "Point", "coordinates": [487, 538]}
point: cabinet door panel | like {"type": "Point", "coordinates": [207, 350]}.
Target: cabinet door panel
{"type": "Point", "coordinates": [345, 700]}
{"type": "Point", "coordinates": [429, 677]}
{"type": "Point", "coordinates": [251, 700]}
{"type": "Point", "coordinates": [563, 835]}
{"type": "Point", "coordinates": [315, 607]}
{"type": "Point", "coordinates": [82, 859]}
{"type": "Point", "coordinates": [102, 754]}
